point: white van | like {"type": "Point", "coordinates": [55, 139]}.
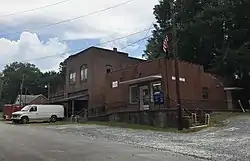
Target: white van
{"type": "Point", "coordinates": [38, 113]}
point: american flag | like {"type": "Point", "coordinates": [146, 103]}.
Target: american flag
{"type": "Point", "coordinates": [165, 44]}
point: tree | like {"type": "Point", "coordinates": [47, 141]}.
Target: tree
{"type": "Point", "coordinates": [13, 75]}
{"type": "Point", "coordinates": [210, 32]}
{"type": "Point", "coordinates": [34, 80]}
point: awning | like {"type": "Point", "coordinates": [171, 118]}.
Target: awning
{"type": "Point", "coordinates": [232, 88]}
{"type": "Point", "coordinates": [80, 97]}
{"type": "Point", "coordinates": [142, 79]}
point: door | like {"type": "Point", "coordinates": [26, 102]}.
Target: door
{"type": "Point", "coordinates": [144, 98]}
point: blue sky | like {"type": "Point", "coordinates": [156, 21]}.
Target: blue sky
{"type": "Point", "coordinates": [24, 37]}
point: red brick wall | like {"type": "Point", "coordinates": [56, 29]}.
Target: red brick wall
{"type": "Point", "coordinates": [121, 93]}
{"type": "Point", "coordinates": [190, 90]}
{"type": "Point", "coordinates": [96, 59]}
{"type": "Point", "coordinates": [98, 83]}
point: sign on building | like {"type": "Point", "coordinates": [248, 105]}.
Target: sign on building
{"type": "Point", "coordinates": [180, 79]}
{"type": "Point", "coordinates": [114, 84]}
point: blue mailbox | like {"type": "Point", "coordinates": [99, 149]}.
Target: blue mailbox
{"type": "Point", "coordinates": [159, 97]}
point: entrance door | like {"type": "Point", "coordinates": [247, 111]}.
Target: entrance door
{"type": "Point", "coordinates": [144, 98]}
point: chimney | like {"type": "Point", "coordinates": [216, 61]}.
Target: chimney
{"type": "Point", "coordinates": [115, 49]}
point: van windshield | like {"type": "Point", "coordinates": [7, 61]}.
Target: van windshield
{"type": "Point", "coordinates": [26, 108]}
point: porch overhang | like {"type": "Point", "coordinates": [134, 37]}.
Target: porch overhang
{"type": "Point", "coordinates": [80, 97]}
{"type": "Point", "coordinates": [142, 79]}
{"type": "Point", "coordinates": [232, 88]}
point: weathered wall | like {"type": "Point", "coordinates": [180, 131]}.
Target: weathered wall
{"type": "Point", "coordinates": [190, 90]}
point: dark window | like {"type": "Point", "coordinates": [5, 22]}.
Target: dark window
{"type": "Point", "coordinates": [156, 87]}
{"type": "Point", "coordinates": [205, 92]}
{"type": "Point", "coordinates": [133, 94]}
{"type": "Point", "coordinates": [108, 68]}
{"type": "Point", "coordinates": [33, 109]}
{"type": "Point", "coordinates": [84, 73]}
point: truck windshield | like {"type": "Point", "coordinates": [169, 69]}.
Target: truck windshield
{"type": "Point", "coordinates": [26, 108]}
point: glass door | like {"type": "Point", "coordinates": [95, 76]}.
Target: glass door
{"type": "Point", "coordinates": [144, 98]}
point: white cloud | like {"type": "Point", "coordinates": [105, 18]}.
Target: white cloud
{"type": "Point", "coordinates": [128, 18]}
{"type": "Point", "coordinates": [29, 47]}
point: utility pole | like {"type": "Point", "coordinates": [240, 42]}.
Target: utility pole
{"type": "Point", "coordinates": [1, 89]}
{"type": "Point", "coordinates": [48, 93]}
{"type": "Point", "coordinates": [21, 91]}
{"type": "Point", "coordinates": [175, 55]}
{"type": "Point", "coordinates": [25, 101]}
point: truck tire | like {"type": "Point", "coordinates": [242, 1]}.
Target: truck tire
{"type": "Point", "coordinates": [14, 121]}
{"type": "Point", "coordinates": [25, 120]}
{"type": "Point", "coordinates": [53, 118]}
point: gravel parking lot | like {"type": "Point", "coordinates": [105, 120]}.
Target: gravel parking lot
{"type": "Point", "coordinates": [39, 143]}
{"type": "Point", "coordinates": [228, 143]}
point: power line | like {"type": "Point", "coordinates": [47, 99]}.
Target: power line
{"type": "Point", "coordinates": [72, 19]}
{"type": "Point", "coordinates": [33, 9]}
{"type": "Point", "coordinates": [77, 50]}
{"type": "Point", "coordinates": [136, 42]}
{"type": "Point", "coordinates": [145, 36]}
{"type": "Point", "coordinates": [29, 10]}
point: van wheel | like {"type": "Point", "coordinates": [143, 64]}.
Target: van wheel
{"type": "Point", "coordinates": [25, 120]}
{"type": "Point", "coordinates": [53, 118]}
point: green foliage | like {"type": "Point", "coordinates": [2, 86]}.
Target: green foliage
{"type": "Point", "coordinates": [212, 33]}
{"type": "Point", "coordinates": [34, 81]}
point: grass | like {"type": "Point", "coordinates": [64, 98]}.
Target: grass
{"type": "Point", "coordinates": [220, 119]}
{"type": "Point", "coordinates": [217, 120]}
{"type": "Point", "coordinates": [131, 126]}
{"type": "Point", "coordinates": [52, 124]}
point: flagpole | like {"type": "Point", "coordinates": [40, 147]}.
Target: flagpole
{"type": "Point", "coordinates": [166, 50]}
{"type": "Point", "coordinates": [177, 77]}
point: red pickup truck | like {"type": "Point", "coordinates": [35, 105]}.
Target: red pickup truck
{"type": "Point", "coordinates": [9, 109]}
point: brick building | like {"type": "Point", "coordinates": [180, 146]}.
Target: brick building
{"type": "Point", "coordinates": [134, 87]}
{"type": "Point", "coordinates": [85, 77]}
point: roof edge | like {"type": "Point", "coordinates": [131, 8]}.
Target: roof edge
{"type": "Point", "coordinates": [93, 47]}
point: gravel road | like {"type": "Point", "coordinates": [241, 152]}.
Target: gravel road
{"type": "Point", "coordinates": [67, 143]}
{"type": "Point", "coordinates": [229, 143]}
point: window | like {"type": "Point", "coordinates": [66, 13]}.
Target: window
{"type": "Point", "coordinates": [108, 68]}
{"type": "Point", "coordinates": [156, 87]}
{"type": "Point", "coordinates": [33, 109]}
{"type": "Point", "coordinates": [133, 94]}
{"type": "Point", "coordinates": [204, 92]}
{"type": "Point", "coordinates": [72, 77]}
{"type": "Point", "coordinates": [84, 73]}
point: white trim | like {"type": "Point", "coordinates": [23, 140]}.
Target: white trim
{"type": "Point", "coordinates": [232, 88]}
{"type": "Point", "coordinates": [142, 79]}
